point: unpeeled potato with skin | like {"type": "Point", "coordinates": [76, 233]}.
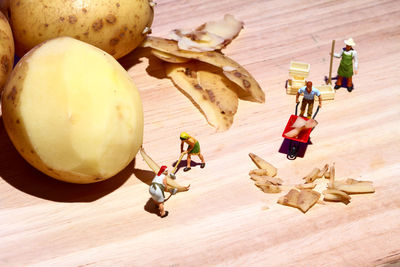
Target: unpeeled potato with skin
{"type": "Point", "coordinates": [115, 26]}
{"type": "Point", "coordinates": [6, 50]}
{"type": "Point", "coordinates": [73, 112]}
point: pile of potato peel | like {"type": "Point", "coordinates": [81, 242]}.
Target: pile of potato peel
{"type": "Point", "coordinates": [303, 196]}
{"type": "Point", "coordinates": [209, 78]}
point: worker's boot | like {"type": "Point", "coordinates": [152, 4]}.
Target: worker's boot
{"type": "Point", "coordinates": [187, 169]}
{"type": "Point", "coordinates": [202, 165]}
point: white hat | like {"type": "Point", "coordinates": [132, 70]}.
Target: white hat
{"type": "Point", "coordinates": [350, 42]}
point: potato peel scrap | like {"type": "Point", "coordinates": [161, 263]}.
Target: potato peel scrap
{"type": "Point", "coordinates": [323, 171]}
{"type": "Point", "coordinates": [262, 164]}
{"type": "Point", "coordinates": [351, 186]}
{"type": "Point", "coordinates": [303, 199]}
{"type": "Point", "coordinates": [268, 187]}
{"type": "Point", "coordinates": [265, 179]}
{"type": "Point", "coordinates": [312, 176]}
{"type": "Point", "coordinates": [336, 195]}
{"type": "Point", "coordinates": [211, 91]}
{"type": "Point", "coordinates": [210, 36]}
{"type": "Point", "coordinates": [306, 186]}
{"type": "Point", "coordinates": [250, 89]}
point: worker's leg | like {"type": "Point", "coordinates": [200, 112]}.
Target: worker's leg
{"type": "Point", "coordinates": [303, 107]}
{"type": "Point", "coordinates": [161, 208]}
{"type": "Point", "coordinates": [310, 108]}
{"type": "Point", "coordinates": [203, 164]}
{"type": "Point", "coordinates": [188, 163]}
{"type": "Point", "coordinates": [350, 84]}
{"type": "Point", "coordinates": [338, 82]}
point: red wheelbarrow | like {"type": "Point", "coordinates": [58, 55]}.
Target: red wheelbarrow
{"type": "Point", "coordinates": [303, 137]}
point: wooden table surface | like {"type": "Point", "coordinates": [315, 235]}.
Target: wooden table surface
{"type": "Point", "coordinates": [224, 219]}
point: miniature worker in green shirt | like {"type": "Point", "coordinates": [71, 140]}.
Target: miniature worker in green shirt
{"type": "Point", "coordinates": [346, 67]}
{"type": "Point", "coordinates": [309, 92]}
{"type": "Point", "coordinates": [193, 149]}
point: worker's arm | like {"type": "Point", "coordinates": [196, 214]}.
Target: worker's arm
{"type": "Point", "coordinates": [182, 146]}
{"type": "Point", "coordinates": [338, 55]}
{"type": "Point", "coordinates": [355, 62]}
{"type": "Point", "coordinates": [320, 100]}
{"type": "Point", "coordinates": [297, 97]}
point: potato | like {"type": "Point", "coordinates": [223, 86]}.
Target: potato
{"type": "Point", "coordinates": [6, 50]}
{"type": "Point", "coordinates": [73, 112]}
{"type": "Point", "coordinates": [116, 26]}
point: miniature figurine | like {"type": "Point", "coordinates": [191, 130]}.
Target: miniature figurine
{"type": "Point", "coordinates": [345, 70]}
{"type": "Point", "coordinates": [193, 149]}
{"type": "Point", "coordinates": [309, 92]}
{"type": "Point", "coordinates": [161, 183]}
{"type": "Point", "coordinates": [157, 188]}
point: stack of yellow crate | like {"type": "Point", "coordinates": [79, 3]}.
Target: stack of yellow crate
{"type": "Point", "coordinates": [298, 72]}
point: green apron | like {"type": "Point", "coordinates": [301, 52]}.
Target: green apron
{"type": "Point", "coordinates": [346, 66]}
{"type": "Point", "coordinates": [195, 149]}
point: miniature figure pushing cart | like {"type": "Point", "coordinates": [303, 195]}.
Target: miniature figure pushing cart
{"type": "Point", "coordinates": [300, 133]}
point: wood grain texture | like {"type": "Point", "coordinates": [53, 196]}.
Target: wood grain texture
{"type": "Point", "coordinates": [224, 220]}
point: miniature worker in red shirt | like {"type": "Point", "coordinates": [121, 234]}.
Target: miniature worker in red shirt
{"type": "Point", "coordinates": [158, 187]}
{"type": "Point", "coordinates": [348, 55]}
{"type": "Point", "coordinates": [309, 92]}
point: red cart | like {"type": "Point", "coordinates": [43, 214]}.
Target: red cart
{"type": "Point", "coordinates": [303, 137]}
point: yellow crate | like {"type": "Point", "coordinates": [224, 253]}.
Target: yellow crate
{"type": "Point", "coordinates": [290, 90]}
{"type": "Point", "coordinates": [297, 84]}
{"type": "Point", "coordinates": [327, 92]}
{"type": "Point", "coordinates": [299, 69]}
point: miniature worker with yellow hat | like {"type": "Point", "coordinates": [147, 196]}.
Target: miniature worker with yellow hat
{"type": "Point", "coordinates": [193, 149]}
{"type": "Point", "coordinates": [345, 70]}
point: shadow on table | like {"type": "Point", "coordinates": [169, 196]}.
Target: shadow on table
{"type": "Point", "coordinates": [183, 164]}
{"type": "Point", "coordinates": [18, 173]}
{"type": "Point", "coordinates": [144, 176]}
{"type": "Point", "coordinates": [151, 207]}
{"type": "Point", "coordinates": [155, 67]}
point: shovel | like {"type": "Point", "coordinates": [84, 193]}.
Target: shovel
{"type": "Point", "coordinates": [172, 174]}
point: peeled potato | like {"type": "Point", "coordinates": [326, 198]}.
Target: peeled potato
{"type": "Point", "coordinates": [116, 27]}
{"type": "Point", "coordinates": [73, 112]}
{"type": "Point", "coordinates": [6, 50]}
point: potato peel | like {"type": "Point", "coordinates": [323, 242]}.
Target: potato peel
{"type": "Point", "coordinates": [306, 186]}
{"type": "Point", "coordinates": [312, 176]}
{"type": "Point", "coordinates": [209, 36]}
{"type": "Point", "coordinates": [268, 187]}
{"type": "Point", "coordinates": [303, 199]}
{"type": "Point", "coordinates": [336, 195]}
{"type": "Point", "coordinates": [209, 90]}
{"type": "Point", "coordinates": [355, 188]}
{"type": "Point", "coordinates": [250, 89]}
{"type": "Point", "coordinates": [168, 57]}
{"type": "Point", "coordinates": [262, 164]}
{"type": "Point", "coordinates": [264, 178]}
